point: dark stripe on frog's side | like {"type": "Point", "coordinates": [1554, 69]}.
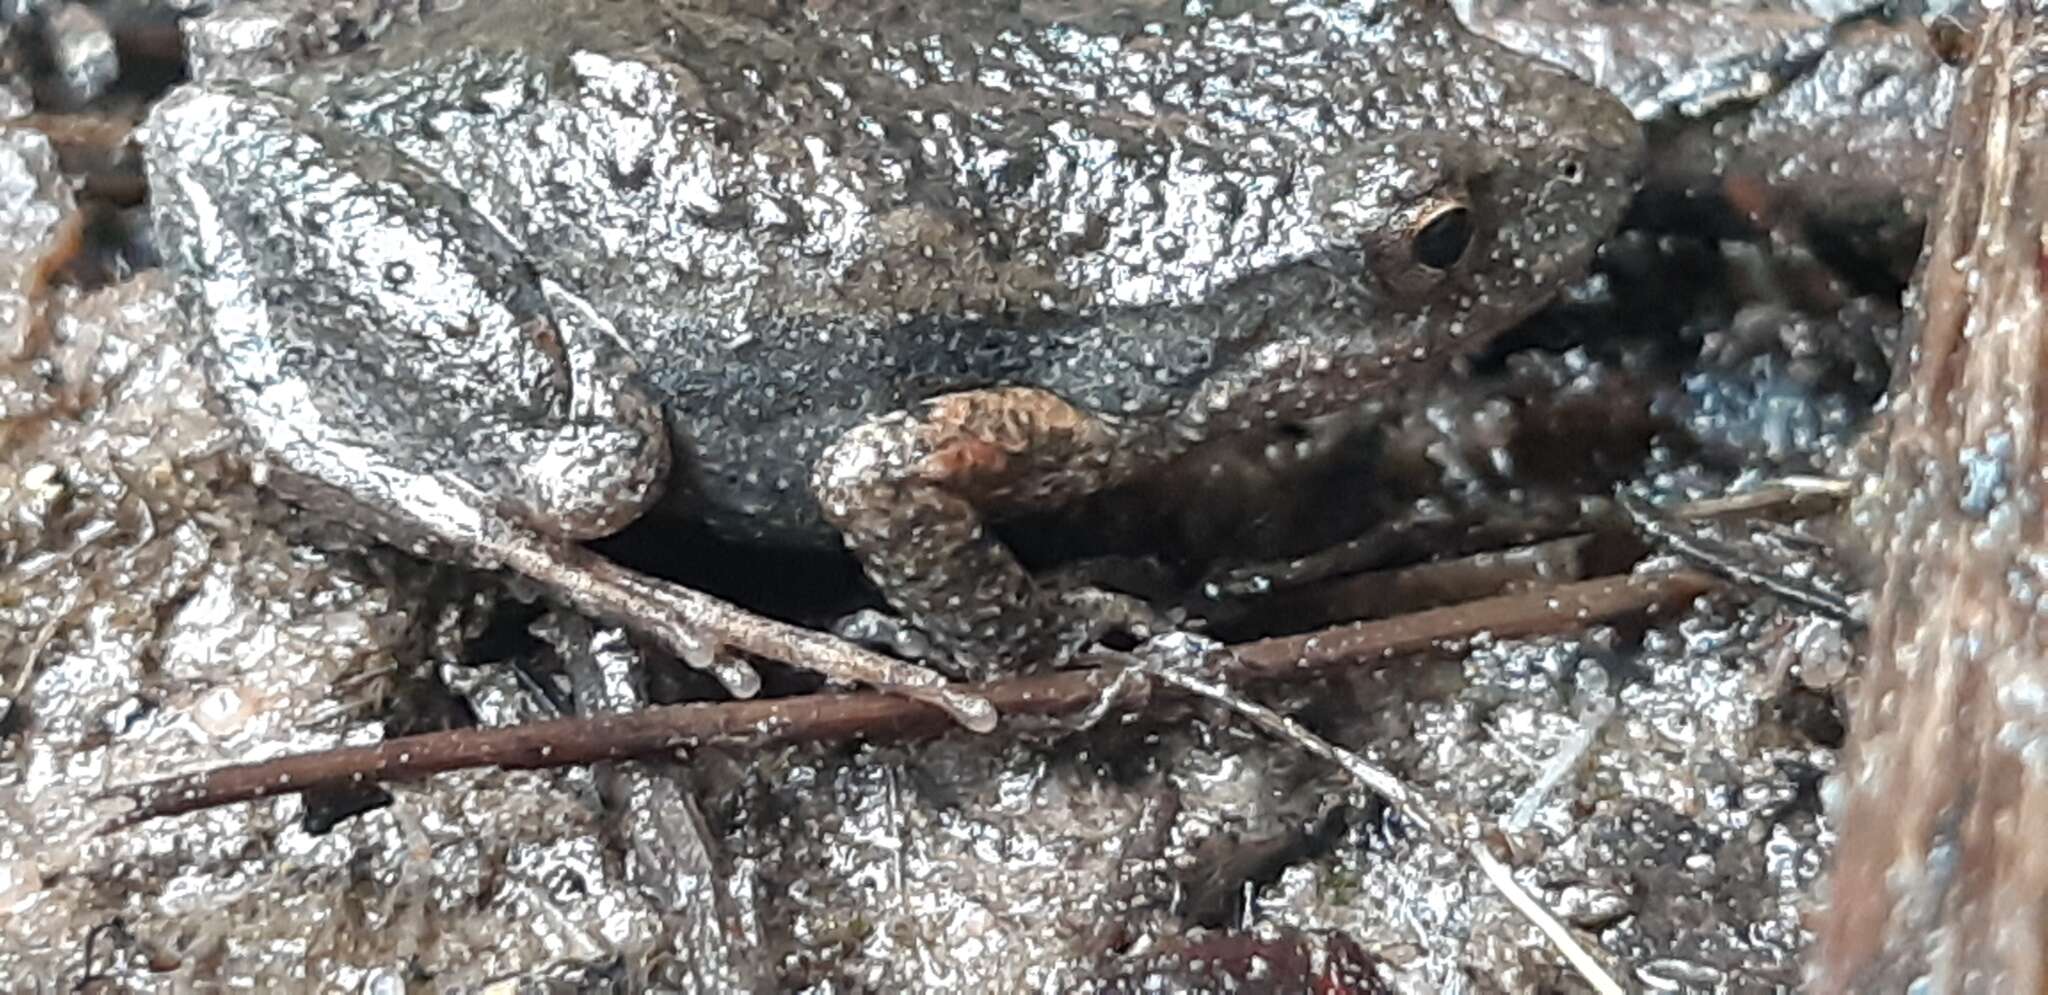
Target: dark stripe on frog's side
{"type": "Point", "coordinates": [749, 429]}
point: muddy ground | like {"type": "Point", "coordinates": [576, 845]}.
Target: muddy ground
{"type": "Point", "coordinates": [1663, 780]}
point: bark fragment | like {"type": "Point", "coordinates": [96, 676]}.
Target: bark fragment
{"type": "Point", "coordinates": [1941, 873]}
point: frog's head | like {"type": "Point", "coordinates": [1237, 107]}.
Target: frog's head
{"type": "Point", "coordinates": [1475, 205]}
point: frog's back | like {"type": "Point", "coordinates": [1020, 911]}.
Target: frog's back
{"type": "Point", "coordinates": [876, 163]}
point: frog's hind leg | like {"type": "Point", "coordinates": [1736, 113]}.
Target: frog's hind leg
{"type": "Point", "coordinates": [910, 492]}
{"type": "Point", "coordinates": [391, 354]}
{"type": "Point", "coordinates": [699, 627]}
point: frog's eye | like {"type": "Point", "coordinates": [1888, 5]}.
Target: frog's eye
{"type": "Point", "coordinates": [1442, 237]}
{"type": "Point", "coordinates": [1410, 241]}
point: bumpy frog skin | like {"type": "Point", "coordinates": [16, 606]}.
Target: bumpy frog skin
{"type": "Point", "coordinates": [858, 273]}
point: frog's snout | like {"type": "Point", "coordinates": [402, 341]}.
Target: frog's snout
{"type": "Point", "coordinates": [1581, 150]}
{"type": "Point", "coordinates": [1608, 139]}
{"type": "Point", "coordinates": [1570, 179]}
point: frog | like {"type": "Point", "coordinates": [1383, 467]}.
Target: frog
{"type": "Point", "coordinates": [861, 273]}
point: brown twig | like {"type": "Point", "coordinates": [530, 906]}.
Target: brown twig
{"type": "Point", "coordinates": [1385, 593]}
{"type": "Point", "coordinates": [38, 284]}
{"type": "Point", "coordinates": [870, 716]}
{"type": "Point", "coordinates": [1796, 494]}
{"type": "Point", "coordinates": [1321, 587]}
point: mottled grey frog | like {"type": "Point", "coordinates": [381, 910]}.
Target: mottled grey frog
{"type": "Point", "coordinates": [852, 271]}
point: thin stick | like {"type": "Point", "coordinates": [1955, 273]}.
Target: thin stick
{"type": "Point", "coordinates": [1793, 491]}
{"type": "Point", "coordinates": [1384, 593]}
{"type": "Point", "coordinates": [1568, 946]}
{"type": "Point", "coordinates": [1434, 815]}
{"type": "Point", "coordinates": [876, 717]}
{"type": "Point", "coordinates": [1665, 530]}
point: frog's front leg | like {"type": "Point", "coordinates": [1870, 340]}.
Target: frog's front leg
{"type": "Point", "coordinates": [912, 492]}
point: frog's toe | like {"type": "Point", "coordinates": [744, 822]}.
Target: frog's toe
{"type": "Point", "coordinates": [1092, 614]}
{"type": "Point", "coordinates": [879, 630]}
{"type": "Point", "coordinates": [1083, 618]}
{"type": "Point", "coordinates": [698, 647]}
{"type": "Point", "coordinates": [738, 677]}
